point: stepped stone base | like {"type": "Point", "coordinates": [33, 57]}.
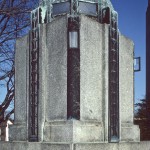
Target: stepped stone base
{"type": "Point", "coordinates": [17, 132]}
{"type": "Point", "coordinates": [130, 132]}
{"type": "Point", "coordinates": [73, 131]}
{"type": "Point", "coordinates": [75, 146]}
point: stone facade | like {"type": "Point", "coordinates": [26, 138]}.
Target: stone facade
{"type": "Point", "coordinates": [93, 125]}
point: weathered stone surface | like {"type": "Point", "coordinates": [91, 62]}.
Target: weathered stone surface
{"type": "Point", "coordinates": [91, 69]}
{"type": "Point", "coordinates": [126, 79]}
{"type": "Point", "coordinates": [71, 146]}
{"type": "Point", "coordinates": [33, 146]}
{"type": "Point", "coordinates": [54, 146]}
{"type": "Point", "coordinates": [129, 132]}
{"type": "Point", "coordinates": [96, 146]}
{"type": "Point", "coordinates": [56, 77]}
{"type": "Point", "coordinates": [94, 72]}
{"type": "Point", "coordinates": [21, 71]}
{"type": "Point", "coordinates": [19, 130]}
{"type": "Point", "coordinates": [73, 131]}
{"type": "Point", "coordinates": [52, 106]}
{"type": "Point", "coordinates": [92, 83]}
{"type": "Point", "coordinates": [87, 131]}
{"type": "Point", "coordinates": [58, 131]}
{"type": "Point", "coordinates": [42, 81]}
{"type": "Point", "coordinates": [20, 146]}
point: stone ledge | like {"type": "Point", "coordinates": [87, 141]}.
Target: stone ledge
{"type": "Point", "coordinates": [75, 146]}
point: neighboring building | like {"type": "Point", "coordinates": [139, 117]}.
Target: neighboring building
{"type": "Point", "coordinates": [148, 51]}
{"type": "Point", "coordinates": [4, 130]}
{"type": "Point", "coordinates": [148, 68]}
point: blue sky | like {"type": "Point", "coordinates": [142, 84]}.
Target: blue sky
{"type": "Point", "coordinates": [132, 24]}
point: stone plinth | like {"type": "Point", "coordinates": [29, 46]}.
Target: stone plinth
{"type": "Point", "coordinates": [73, 131]}
{"type": "Point", "coordinates": [76, 146]}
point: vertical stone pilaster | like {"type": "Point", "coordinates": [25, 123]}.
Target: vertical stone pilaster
{"type": "Point", "coordinates": [126, 85]}
{"type": "Point", "coordinates": [42, 81]}
{"type": "Point", "coordinates": [56, 66]}
{"type": "Point", "coordinates": [19, 131]}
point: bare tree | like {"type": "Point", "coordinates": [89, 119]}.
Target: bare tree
{"type": "Point", "coordinates": [14, 23]}
{"type": "Point", "coordinates": [142, 118]}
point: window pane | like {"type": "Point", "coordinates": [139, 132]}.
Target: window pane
{"type": "Point", "coordinates": [60, 8]}
{"type": "Point", "coordinates": [88, 8]}
{"type": "Point", "coordinates": [137, 64]}
{"type": "Point", "coordinates": [73, 39]}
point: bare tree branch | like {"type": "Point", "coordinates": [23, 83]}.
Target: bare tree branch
{"type": "Point", "coordinates": [14, 23]}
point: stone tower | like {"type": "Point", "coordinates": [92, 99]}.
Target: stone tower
{"type": "Point", "coordinates": [74, 76]}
